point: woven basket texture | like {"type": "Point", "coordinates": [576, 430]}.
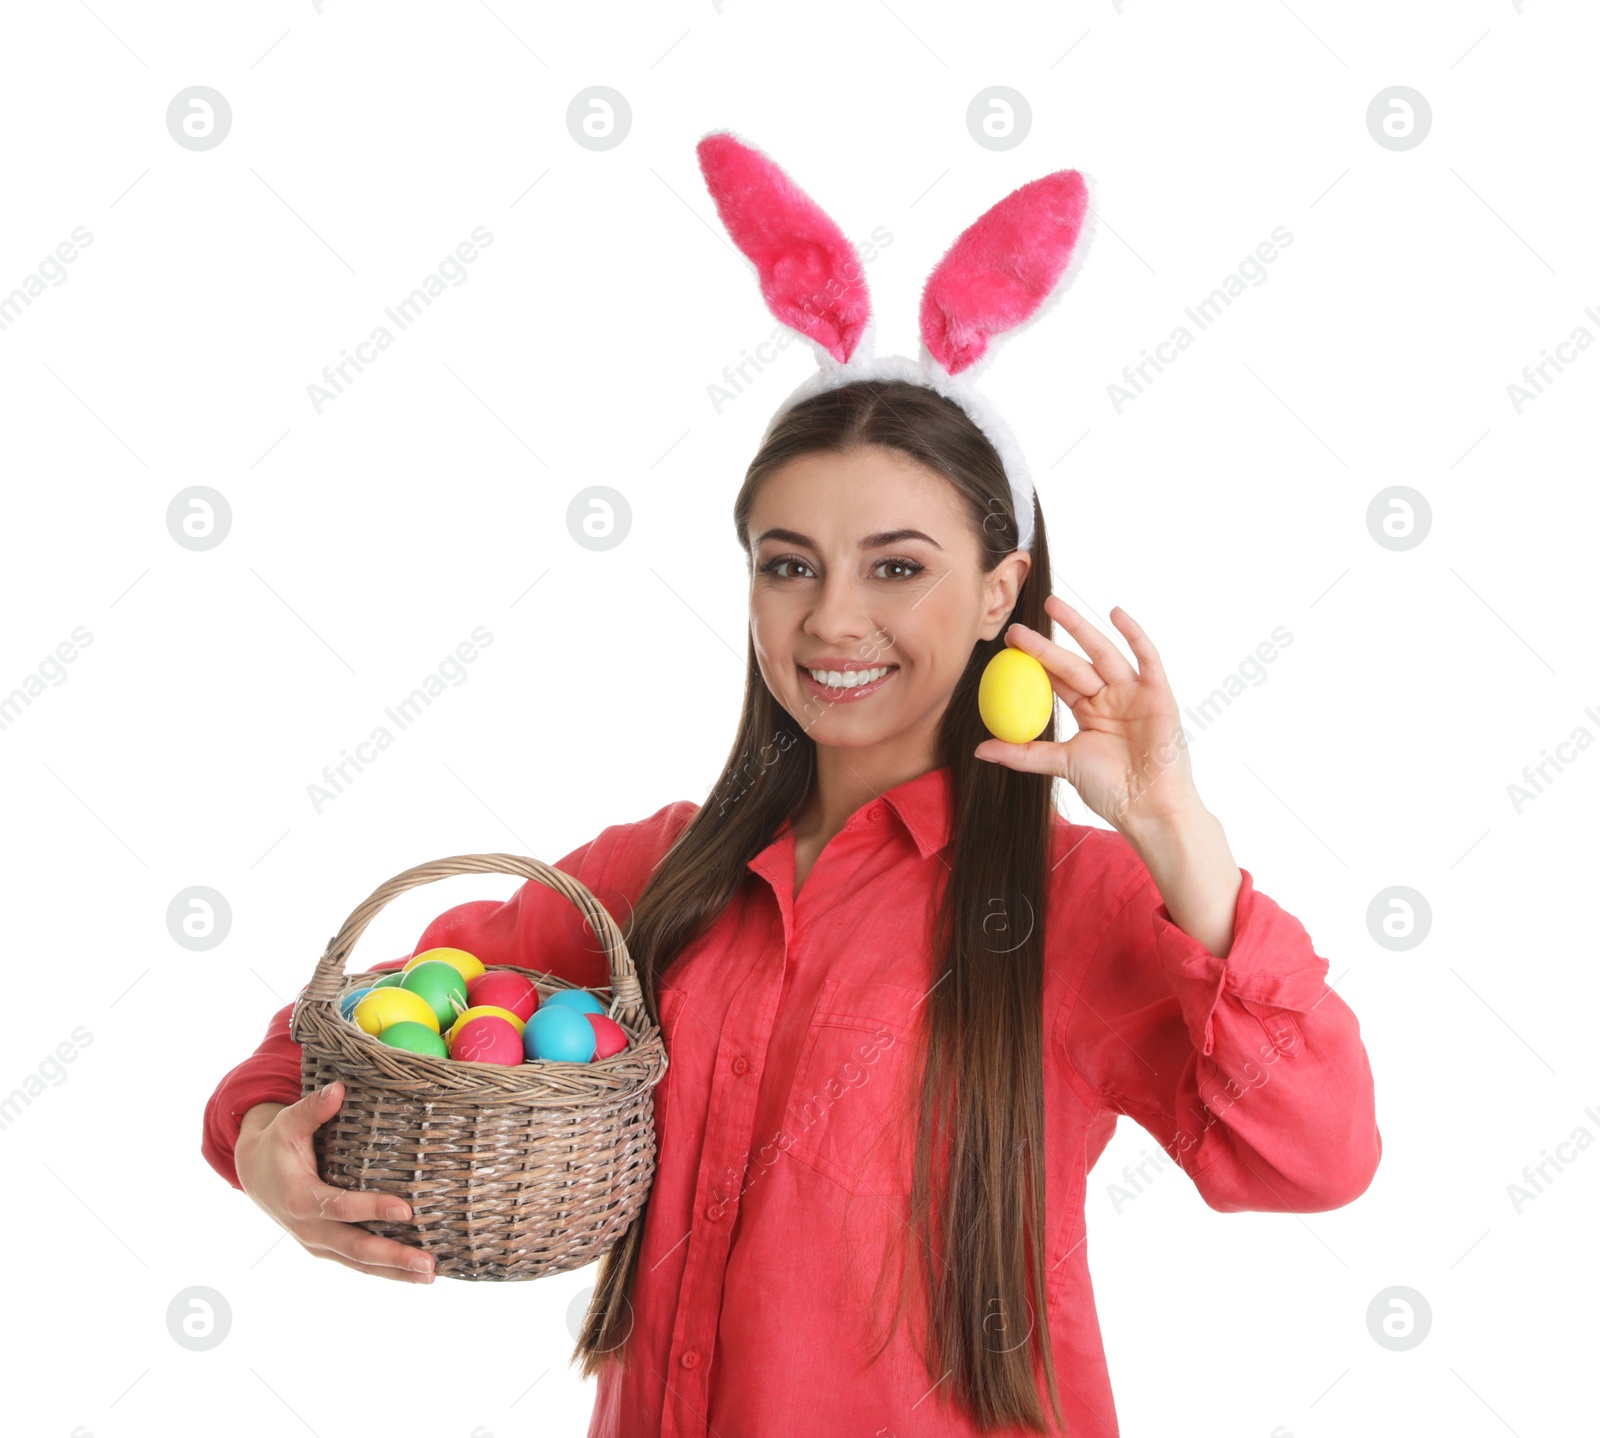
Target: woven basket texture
{"type": "Point", "coordinates": [512, 1172]}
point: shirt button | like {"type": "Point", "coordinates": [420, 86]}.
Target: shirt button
{"type": "Point", "coordinates": [714, 1211]}
{"type": "Point", "coordinates": [875, 812]}
{"type": "Point", "coordinates": [739, 1065]}
{"type": "Point", "coordinates": [690, 1359]}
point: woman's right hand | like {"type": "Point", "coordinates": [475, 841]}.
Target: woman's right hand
{"type": "Point", "coordinates": [277, 1167]}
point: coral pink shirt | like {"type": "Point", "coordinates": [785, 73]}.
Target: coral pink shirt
{"type": "Point", "coordinates": [791, 1028]}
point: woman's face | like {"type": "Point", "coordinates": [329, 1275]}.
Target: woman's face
{"type": "Point", "coordinates": [866, 566]}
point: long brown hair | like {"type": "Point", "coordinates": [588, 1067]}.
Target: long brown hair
{"type": "Point", "coordinates": [982, 1101]}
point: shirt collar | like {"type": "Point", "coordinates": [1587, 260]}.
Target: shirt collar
{"type": "Point", "coordinates": [921, 804]}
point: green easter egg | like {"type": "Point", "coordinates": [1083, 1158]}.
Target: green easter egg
{"type": "Point", "coordinates": [441, 985]}
{"type": "Point", "coordinates": [390, 981]}
{"type": "Point", "coordinates": [415, 1038]}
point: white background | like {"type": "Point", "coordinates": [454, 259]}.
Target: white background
{"type": "Point", "coordinates": [431, 497]}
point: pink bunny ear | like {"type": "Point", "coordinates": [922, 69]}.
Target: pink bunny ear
{"type": "Point", "coordinates": [811, 276]}
{"type": "Point", "coordinates": [1002, 268]}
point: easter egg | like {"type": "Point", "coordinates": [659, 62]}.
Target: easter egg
{"type": "Point", "coordinates": [416, 1038]}
{"type": "Point", "coordinates": [504, 990]}
{"type": "Point", "coordinates": [469, 966]}
{"type": "Point", "coordinates": [350, 1000]}
{"type": "Point", "coordinates": [442, 986]}
{"type": "Point", "coordinates": [383, 1007]}
{"type": "Point", "coordinates": [559, 1032]}
{"type": "Point", "coordinates": [390, 981]}
{"type": "Point", "coordinates": [580, 999]}
{"type": "Point", "coordinates": [1014, 696]}
{"type": "Point", "coordinates": [477, 1011]}
{"type": "Point", "coordinates": [486, 1039]}
{"type": "Point", "coordinates": [609, 1036]}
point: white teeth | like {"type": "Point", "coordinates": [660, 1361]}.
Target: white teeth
{"type": "Point", "coordinates": [853, 680]}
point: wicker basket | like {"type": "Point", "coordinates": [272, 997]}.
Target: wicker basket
{"type": "Point", "coordinates": [511, 1172]}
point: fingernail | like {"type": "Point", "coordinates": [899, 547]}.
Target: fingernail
{"type": "Point", "coordinates": [421, 1265]}
{"type": "Point", "coordinates": [399, 1211]}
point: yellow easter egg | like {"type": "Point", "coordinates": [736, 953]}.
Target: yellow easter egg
{"type": "Point", "coordinates": [1014, 696]}
{"type": "Point", "coordinates": [469, 965]}
{"type": "Point", "coordinates": [477, 1011]}
{"type": "Point", "coordinates": [383, 1007]}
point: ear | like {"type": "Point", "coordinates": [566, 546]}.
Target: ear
{"type": "Point", "coordinates": [811, 276]}
{"type": "Point", "coordinates": [1005, 583]}
{"type": "Point", "coordinates": [1002, 268]}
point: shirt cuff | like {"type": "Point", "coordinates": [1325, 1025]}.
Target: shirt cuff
{"type": "Point", "coordinates": [266, 1082]}
{"type": "Point", "coordinates": [1271, 962]}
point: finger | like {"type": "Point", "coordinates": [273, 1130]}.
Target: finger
{"type": "Point", "coordinates": [318, 1200]}
{"type": "Point", "coordinates": [1038, 756]}
{"type": "Point", "coordinates": [1068, 695]}
{"type": "Point", "coordinates": [1138, 641]}
{"type": "Point", "coordinates": [377, 1270]}
{"type": "Point", "coordinates": [311, 1112]}
{"type": "Point", "coordinates": [395, 1275]}
{"type": "Point", "coordinates": [355, 1245]}
{"type": "Point", "coordinates": [1061, 663]}
{"type": "Point", "coordinates": [1107, 657]}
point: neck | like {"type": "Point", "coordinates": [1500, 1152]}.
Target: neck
{"type": "Point", "coordinates": [849, 778]}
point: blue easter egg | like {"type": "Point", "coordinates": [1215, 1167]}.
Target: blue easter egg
{"type": "Point", "coordinates": [559, 1032]}
{"type": "Point", "coordinates": [580, 999]}
{"type": "Point", "coordinates": [349, 1001]}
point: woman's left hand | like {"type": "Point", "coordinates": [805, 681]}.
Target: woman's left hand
{"type": "Point", "coordinates": [1129, 760]}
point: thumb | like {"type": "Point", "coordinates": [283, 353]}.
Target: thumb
{"type": "Point", "coordinates": [316, 1108]}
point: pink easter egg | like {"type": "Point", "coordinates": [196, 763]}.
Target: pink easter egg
{"type": "Point", "coordinates": [486, 1040]}
{"type": "Point", "coordinates": [609, 1036]}
{"type": "Point", "coordinates": [502, 989]}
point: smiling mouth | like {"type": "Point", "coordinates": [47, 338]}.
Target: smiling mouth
{"type": "Point", "coordinates": [851, 684]}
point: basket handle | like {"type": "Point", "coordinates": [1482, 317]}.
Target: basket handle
{"type": "Point", "coordinates": [626, 997]}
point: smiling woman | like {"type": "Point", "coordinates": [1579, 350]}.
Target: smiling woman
{"type": "Point", "coordinates": [905, 1000]}
{"type": "Point", "coordinates": [862, 626]}
{"type": "Point", "coordinates": [910, 999]}
{"type": "Point", "coordinates": [838, 616]}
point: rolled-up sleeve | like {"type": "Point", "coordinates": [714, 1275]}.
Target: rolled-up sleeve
{"type": "Point", "coordinates": [1249, 1070]}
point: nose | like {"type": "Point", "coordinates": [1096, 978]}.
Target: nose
{"type": "Point", "coordinates": [840, 615]}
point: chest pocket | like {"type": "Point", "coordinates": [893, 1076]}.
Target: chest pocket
{"type": "Point", "coordinates": [851, 1113]}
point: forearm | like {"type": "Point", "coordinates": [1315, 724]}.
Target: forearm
{"type": "Point", "coordinates": [1189, 859]}
{"type": "Point", "coordinates": [258, 1118]}
{"type": "Point", "coordinates": [250, 1126]}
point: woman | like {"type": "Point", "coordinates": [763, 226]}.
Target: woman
{"type": "Point", "coordinates": [905, 1000]}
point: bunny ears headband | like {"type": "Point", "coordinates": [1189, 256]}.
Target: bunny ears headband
{"type": "Point", "coordinates": [1002, 272]}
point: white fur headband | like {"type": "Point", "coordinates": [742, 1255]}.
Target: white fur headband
{"type": "Point", "coordinates": [1002, 273]}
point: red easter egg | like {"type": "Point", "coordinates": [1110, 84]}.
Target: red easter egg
{"type": "Point", "coordinates": [609, 1036]}
{"type": "Point", "coordinates": [487, 1040]}
{"type": "Point", "coordinates": [504, 990]}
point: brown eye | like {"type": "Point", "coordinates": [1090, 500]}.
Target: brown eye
{"type": "Point", "coordinates": [772, 565]}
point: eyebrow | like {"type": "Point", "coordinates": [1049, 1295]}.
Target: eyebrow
{"type": "Point", "coordinates": [872, 541]}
